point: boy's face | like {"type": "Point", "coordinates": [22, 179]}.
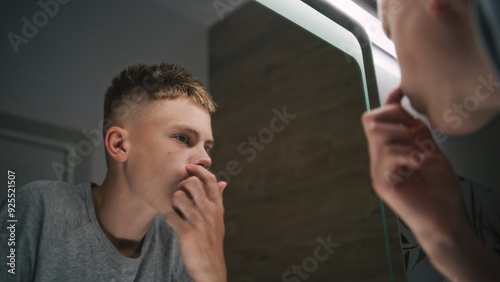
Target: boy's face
{"type": "Point", "coordinates": [408, 25]}
{"type": "Point", "coordinates": [167, 136]}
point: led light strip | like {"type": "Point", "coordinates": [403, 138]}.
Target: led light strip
{"type": "Point", "coordinates": [323, 27]}
{"type": "Point", "coordinates": [371, 24]}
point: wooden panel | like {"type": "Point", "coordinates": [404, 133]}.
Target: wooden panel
{"type": "Point", "coordinates": [293, 183]}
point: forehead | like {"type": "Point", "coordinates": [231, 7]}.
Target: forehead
{"type": "Point", "coordinates": [178, 112]}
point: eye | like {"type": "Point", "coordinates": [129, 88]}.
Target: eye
{"type": "Point", "coordinates": [208, 149]}
{"type": "Point", "coordinates": [182, 138]}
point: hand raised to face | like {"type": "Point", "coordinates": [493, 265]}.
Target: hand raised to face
{"type": "Point", "coordinates": [409, 172]}
{"type": "Point", "coordinates": [198, 219]}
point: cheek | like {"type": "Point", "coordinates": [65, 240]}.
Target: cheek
{"type": "Point", "coordinates": [146, 162]}
{"type": "Point", "coordinates": [173, 165]}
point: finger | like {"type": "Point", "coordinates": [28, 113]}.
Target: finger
{"type": "Point", "coordinates": [194, 187]}
{"type": "Point", "coordinates": [183, 204]}
{"type": "Point", "coordinates": [207, 178]}
{"type": "Point", "coordinates": [379, 134]}
{"type": "Point", "coordinates": [396, 157]}
{"type": "Point", "coordinates": [222, 186]}
{"type": "Point", "coordinates": [394, 161]}
{"type": "Point", "coordinates": [421, 131]}
{"type": "Point", "coordinates": [392, 113]}
{"type": "Point", "coordinates": [391, 156]}
{"type": "Point", "coordinates": [175, 220]}
{"type": "Point", "coordinates": [395, 96]}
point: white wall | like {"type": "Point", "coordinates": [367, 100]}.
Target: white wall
{"type": "Point", "coordinates": [60, 75]}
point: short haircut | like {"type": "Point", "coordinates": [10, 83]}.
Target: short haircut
{"type": "Point", "coordinates": [147, 83]}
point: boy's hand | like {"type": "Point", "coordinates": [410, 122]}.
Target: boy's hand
{"type": "Point", "coordinates": [411, 174]}
{"type": "Point", "coordinates": [199, 223]}
{"type": "Point", "coordinates": [415, 179]}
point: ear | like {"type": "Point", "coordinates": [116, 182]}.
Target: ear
{"type": "Point", "coordinates": [116, 143]}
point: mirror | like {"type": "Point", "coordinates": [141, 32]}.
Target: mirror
{"type": "Point", "coordinates": [299, 204]}
{"type": "Point", "coordinates": [288, 135]}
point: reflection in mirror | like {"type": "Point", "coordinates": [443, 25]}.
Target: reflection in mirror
{"type": "Point", "coordinates": [289, 141]}
{"type": "Point", "coordinates": [299, 203]}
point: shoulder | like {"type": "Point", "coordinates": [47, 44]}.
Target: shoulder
{"type": "Point", "coordinates": [45, 213]}
{"type": "Point", "coordinates": [53, 208]}
{"type": "Point", "coordinates": [53, 200]}
{"type": "Point", "coordinates": [50, 190]}
{"type": "Point", "coordinates": [47, 185]}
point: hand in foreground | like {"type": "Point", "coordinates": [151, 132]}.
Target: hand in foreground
{"type": "Point", "coordinates": [199, 224]}
{"type": "Point", "coordinates": [415, 179]}
{"type": "Point", "coordinates": [408, 170]}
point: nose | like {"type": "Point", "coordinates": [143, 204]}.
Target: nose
{"type": "Point", "coordinates": [203, 158]}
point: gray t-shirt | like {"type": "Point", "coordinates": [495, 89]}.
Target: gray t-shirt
{"type": "Point", "coordinates": [483, 212]}
{"type": "Point", "coordinates": [58, 238]}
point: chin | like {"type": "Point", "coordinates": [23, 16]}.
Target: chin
{"type": "Point", "coordinates": [415, 103]}
{"type": "Point", "coordinates": [164, 211]}
{"type": "Point", "coordinates": [417, 106]}
{"type": "Point", "coordinates": [164, 205]}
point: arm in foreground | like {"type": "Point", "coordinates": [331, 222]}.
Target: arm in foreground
{"type": "Point", "coordinates": [415, 179]}
{"type": "Point", "coordinates": [199, 223]}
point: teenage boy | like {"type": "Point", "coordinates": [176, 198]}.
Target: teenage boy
{"type": "Point", "coordinates": [442, 61]}
{"type": "Point", "coordinates": [158, 215]}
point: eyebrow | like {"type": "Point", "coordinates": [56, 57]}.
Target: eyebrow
{"type": "Point", "coordinates": [193, 132]}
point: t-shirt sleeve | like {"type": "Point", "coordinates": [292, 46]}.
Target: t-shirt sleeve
{"type": "Point", "coordinates": [21, 222]}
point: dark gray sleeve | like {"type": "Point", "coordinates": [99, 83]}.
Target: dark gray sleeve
{"type": "Point", "coordinates": [482, 207]}
{"type": "Point", "coordinates": [20, 233]}
{"type": "Point", "coordinates": [487, 17]}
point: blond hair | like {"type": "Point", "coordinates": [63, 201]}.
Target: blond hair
{"type": "Point", "coordinates": [150, 82]}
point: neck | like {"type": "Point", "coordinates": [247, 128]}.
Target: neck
{"type": "Point", "coordinates": [466, 101]}
{"type": "Point", "coordinates": [123, 220]}
{"type": "Point", "coordinates": [463, 94]}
